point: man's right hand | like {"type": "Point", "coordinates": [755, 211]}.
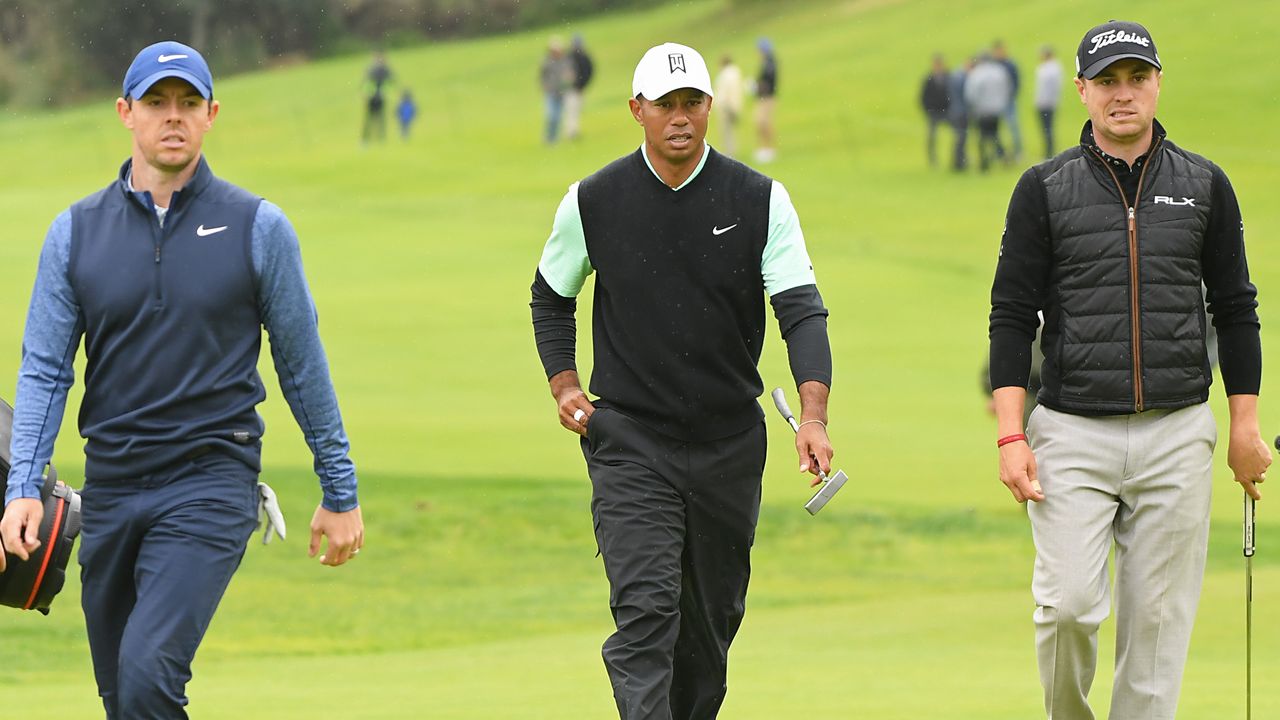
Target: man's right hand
{"type": "Point", "coordinates": [1018, 471]}
{"type": "Point", "coordinates": [575, 408]}
{"type": "Point", "coordinates": [20, 528]}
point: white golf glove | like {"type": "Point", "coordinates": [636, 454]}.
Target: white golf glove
{"type": "Point", "coordinates": [269, 512]}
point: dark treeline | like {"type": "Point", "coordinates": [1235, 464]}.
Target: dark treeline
{"type": "Point", "coordinates": [53, 52]}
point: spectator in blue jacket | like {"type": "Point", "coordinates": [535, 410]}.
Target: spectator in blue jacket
{"type": "Point", "coordinates": [406, 111]}
{"type": "Point", "coordinates": [1010, 114]}
{"type": "Point", "coordinates": [169, 276]}
{"type": "Point", "coordinates": [958, 114]}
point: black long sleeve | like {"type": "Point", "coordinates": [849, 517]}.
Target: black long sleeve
{"type": "Point", "coordinates": [1231, 297]}
{"type": "Point", "coordinates": [555, 328]}
{"type": "Point", "coordinates": [1022, 278]}
{"type": "Point", "coordinates": [802, 318]}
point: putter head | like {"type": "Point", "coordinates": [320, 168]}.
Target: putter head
{"type": "Point", "coordinates": [826, 491]}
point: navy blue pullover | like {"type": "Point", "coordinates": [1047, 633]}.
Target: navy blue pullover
{"type": "Point", "coordinates": [171, 314]}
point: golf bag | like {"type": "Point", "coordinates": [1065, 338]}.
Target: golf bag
{"type": "Point", "coordinates": [32, 584]}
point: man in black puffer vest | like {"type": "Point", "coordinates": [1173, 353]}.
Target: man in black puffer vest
{"type": "Point", "coordinates": [684, 243]}
{"type": "Point", "coordinates": [1112, 240]}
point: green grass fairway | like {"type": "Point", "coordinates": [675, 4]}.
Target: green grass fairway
{"type": "Point", "coordinates": [479, 595]}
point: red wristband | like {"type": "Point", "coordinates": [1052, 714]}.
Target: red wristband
{"type": "Point", "coordinates": [1010, 439]}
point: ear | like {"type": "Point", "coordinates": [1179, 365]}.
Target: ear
{"type": "Point", "coordinates": [635, 109]}
{"type": "Point", "coordinates": [1080, 89]}
{"type": "Point", "coordinates": [214, 106]}
{"type": "Point", "coordinates": [125, 111]}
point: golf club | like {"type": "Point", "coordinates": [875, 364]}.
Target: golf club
{"type": "Point", "coordinates": [1248, 604]}
{"type": "Point", "coordinates": [830, 485]}
{"type": "Point", "coordinates": [1249, 537]}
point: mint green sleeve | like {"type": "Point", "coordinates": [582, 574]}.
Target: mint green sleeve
{"type": "Point", "coordinates": [785, 263]}
{"type": "Point", "coordinates": [564, 264]}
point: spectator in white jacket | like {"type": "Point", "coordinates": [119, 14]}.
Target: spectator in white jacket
{"type": "Point", "coordinates": [987, 92]}
{"type": "Point", "coordinates": [730, 98]}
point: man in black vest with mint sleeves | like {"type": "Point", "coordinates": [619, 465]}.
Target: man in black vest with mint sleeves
{"type": "Point", "coordinates": [1112, 239]}
{"type": "Point", "coordinates": [684, 243]}
{"type": "Point", "coordinates": [170, 275]}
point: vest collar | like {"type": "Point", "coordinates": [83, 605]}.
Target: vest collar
{"type": "Point", "coordinates": [198, 182]}
{"type": "Point", "coordinates": [1088, 143]}
{"type": "Point", "coordinates": [706, 152]}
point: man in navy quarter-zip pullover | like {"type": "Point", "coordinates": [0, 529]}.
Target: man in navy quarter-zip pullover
{"type": "Point", "coordinates": [169, 274]}
{"type": "Point", "coordinates": [1112, 240]}
{"type": "Point", "coordinates": [684, 243]}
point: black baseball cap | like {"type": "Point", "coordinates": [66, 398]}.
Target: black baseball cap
{"type": "Point", "coordinates": [1112, 41]}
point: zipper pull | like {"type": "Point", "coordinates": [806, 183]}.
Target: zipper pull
{"type": "Point", "coordinates": [1132, 223]}
{"type": "Point", "coordinates": [157, 254]}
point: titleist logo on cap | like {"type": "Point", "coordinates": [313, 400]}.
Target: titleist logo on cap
{"type": "Point", "coordinates": [1111, 37]}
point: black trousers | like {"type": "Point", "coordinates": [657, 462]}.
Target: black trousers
{"type": "Point", "coordinates": [989, 141]}
{"type": "Point", "coordinates": [675, 522]}
{"type": "Point", "coordinates": [1046, 127]}
{"type": "Point", "coordinates": [934, 120]}
{"type": "Point", "coordinates": [960, 129]}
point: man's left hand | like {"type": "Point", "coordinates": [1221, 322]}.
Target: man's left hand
{"type": "Point", "coordinates": [344, 530]}
{"type": "Point", "coordinates": [814, 448]}
{"type": "Point", "coordinates": [1248, 457]}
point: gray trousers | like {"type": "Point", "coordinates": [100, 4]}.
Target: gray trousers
{"type": "Point", "coordinates": [1141, 482]}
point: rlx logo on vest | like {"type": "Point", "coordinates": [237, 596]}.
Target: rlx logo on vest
{"type": "Point", "coordinates": [1166, 200]}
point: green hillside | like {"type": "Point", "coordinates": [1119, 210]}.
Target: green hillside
{"type": "Point", "coordinates": [478, 595]}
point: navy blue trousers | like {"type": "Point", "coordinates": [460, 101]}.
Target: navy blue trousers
{"type": "Point", "coordinates": [675, 522]}
{"type": "Point", "coordinates": [156, 555]}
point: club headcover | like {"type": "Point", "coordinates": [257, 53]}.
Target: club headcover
{"type": "Point", "coordinates": [32, 584]}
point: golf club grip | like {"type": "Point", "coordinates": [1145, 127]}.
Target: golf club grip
{"type": "Point", "coordinates": [780, 400]}
{"type": "Point", "coordinates": [1249, 526]}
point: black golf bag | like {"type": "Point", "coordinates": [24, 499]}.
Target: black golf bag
{"type": "Point", "coordinates": [32, 584]}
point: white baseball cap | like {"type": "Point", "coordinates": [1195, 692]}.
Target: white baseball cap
{"type": "Point", "coordinates": [668, 67]}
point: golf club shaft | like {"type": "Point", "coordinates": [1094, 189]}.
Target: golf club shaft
{"type": "Point", "coordinates": [1249, 538]}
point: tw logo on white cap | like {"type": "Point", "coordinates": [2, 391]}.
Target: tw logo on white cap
{"type": "Point", "coordinates": [668, 67]}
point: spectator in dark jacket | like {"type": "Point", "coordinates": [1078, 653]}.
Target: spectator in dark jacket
{"type": "Point", "coordinates": [935, 99]}
{"type": "Point", "coordinates": [583, 68]}
{"type": "Point", "coordinates": [376, 80]}
{"type": "Point", "coordinates": [766, 92]}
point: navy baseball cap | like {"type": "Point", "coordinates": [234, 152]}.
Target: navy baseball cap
{"type": "Point", "coordinates": [1112, 41]}
{"type": "Point", "coordinates": [168, 59]}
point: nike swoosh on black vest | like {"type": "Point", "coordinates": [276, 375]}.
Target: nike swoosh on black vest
{"type": "Point", "coordinates": [1122, 336]}
{"type": "Point", "coordinates": [172, 327]}
{"type": "Point", "coordinates": [678, 322]}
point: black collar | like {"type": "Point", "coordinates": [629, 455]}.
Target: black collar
{"type": "Point", "coordinates": [1088, 142]}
